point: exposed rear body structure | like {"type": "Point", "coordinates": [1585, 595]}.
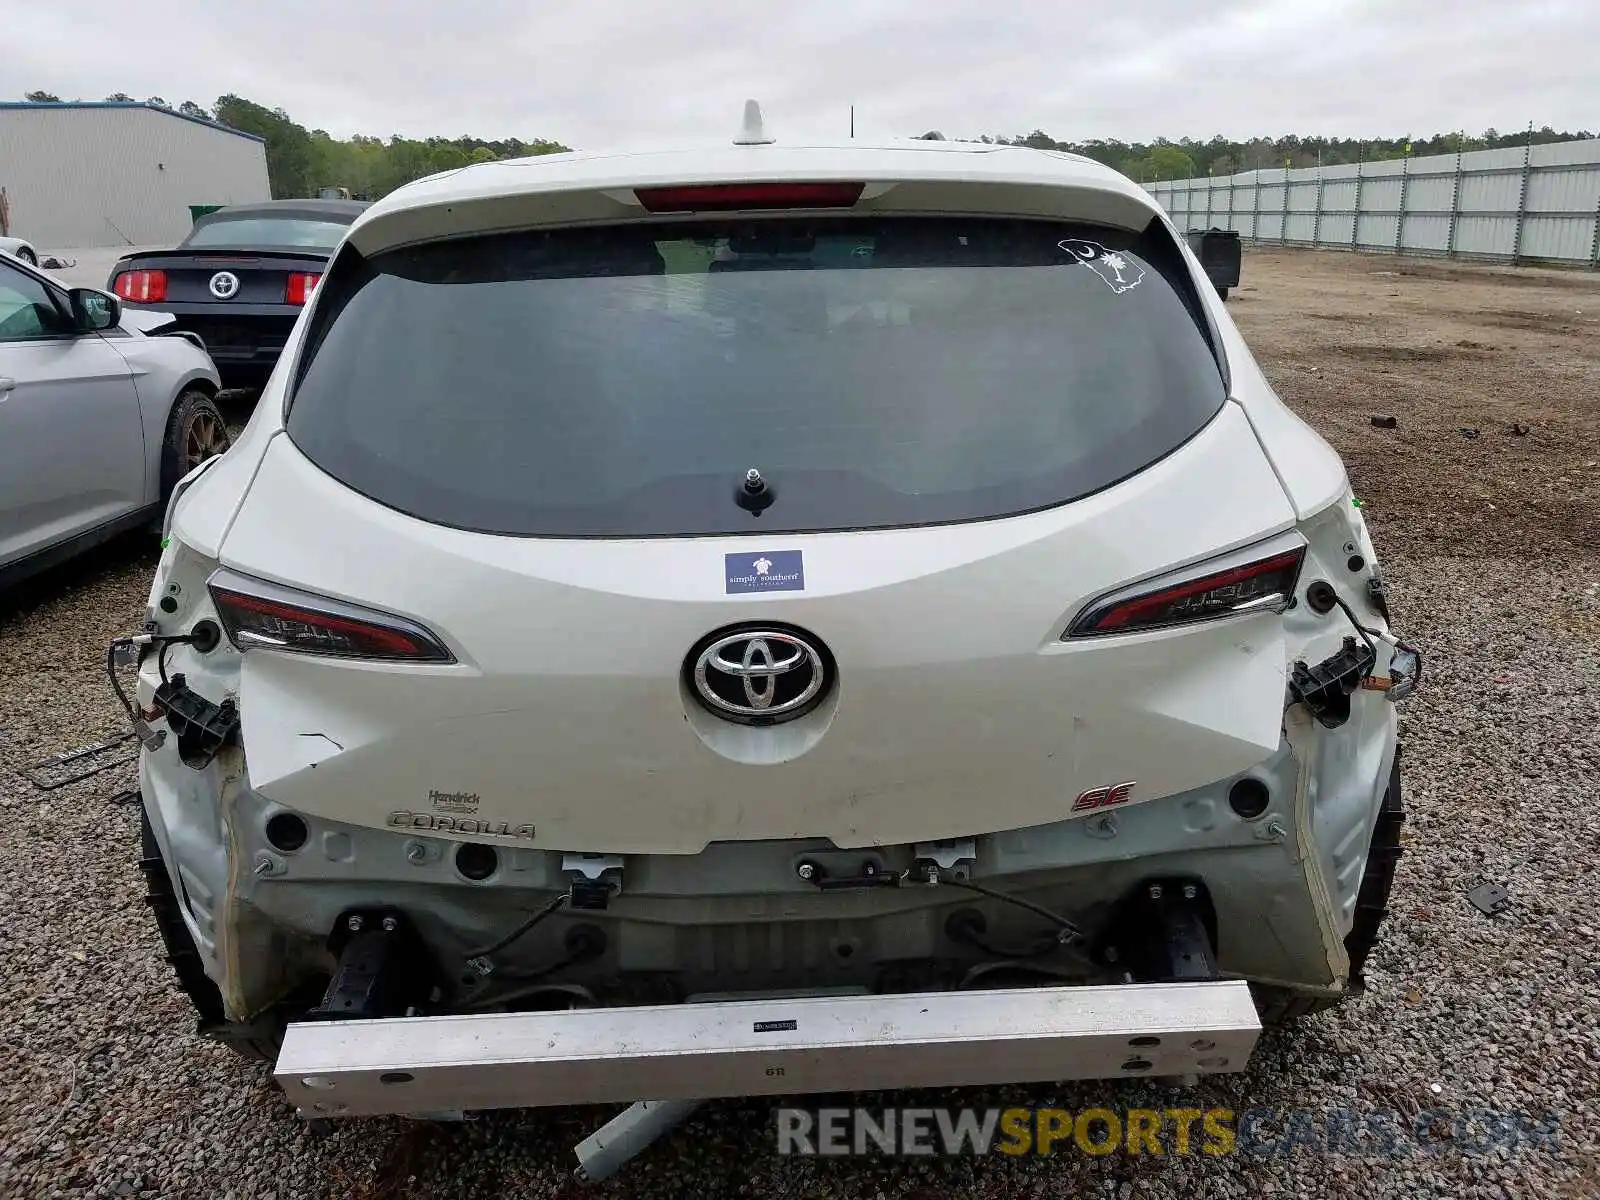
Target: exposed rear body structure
{"type": "Point", "coordinates": [813, 582]}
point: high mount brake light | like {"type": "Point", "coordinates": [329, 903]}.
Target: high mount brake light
{"type": "Point", "coordinates": [260, 614]}
{"type": "Point", "coordinates": [141, 287]}
{"type": "Point", "coordinates": [1265, 585]}
{"type": "Point", "coordinates": [300, 287]}
{"type": "Point", "coordinates": [738, 197]}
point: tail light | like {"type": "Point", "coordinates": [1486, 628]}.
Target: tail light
{"type": "Point", "coordinates": [1262, 585]}
{"type": "Point", "coordinates": [730, 197]}
{"type": "Point", "coordinates": [300, 287]}
{"type": "Point", "coordinates": [141, 287]}
{"type": "Point", "coordinates": [260, 614]}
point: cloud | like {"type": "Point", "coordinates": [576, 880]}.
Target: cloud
{"type": "Point", "coordinates": [604, 71]}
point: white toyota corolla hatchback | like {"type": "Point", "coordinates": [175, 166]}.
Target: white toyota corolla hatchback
{"type": "Point", "coordinates": [765, 618]}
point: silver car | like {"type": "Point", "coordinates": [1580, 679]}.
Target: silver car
{"type": "Point", "coordinates": [100, 416]}
{"type": "Point", "coordinates": [19, 248]}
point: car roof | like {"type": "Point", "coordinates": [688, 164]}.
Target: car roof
{"type": "Point", "coordinates": [577, 187]}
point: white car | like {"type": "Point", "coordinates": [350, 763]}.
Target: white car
{"type": "Point", "coordinates": [100, 416]}
{"type": "Point", "coordinates": [18, 248]}
{"type": "Point", "coordinates": [764, 618]}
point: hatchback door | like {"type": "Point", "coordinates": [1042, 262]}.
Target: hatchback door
{"type": "Point", "coordinates": [566, 525]}
{"type": "Point", "coordinates": [72, 453]}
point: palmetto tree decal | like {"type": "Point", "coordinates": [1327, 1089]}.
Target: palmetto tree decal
{"type": "Point", "coordinates": [1115, 268]}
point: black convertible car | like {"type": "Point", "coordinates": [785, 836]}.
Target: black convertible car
{"type": "Point", "coordinates": [240, 279]}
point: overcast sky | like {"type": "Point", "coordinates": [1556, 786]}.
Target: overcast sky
{"type": "Point", "coordinates": [592, 72]}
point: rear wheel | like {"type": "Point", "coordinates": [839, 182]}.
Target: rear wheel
{"type": "Point", "coordinates": [1278, 1005]}
{"type": "Point", "coordinates": [27, 256]}
{"type": "Point", "coordinates": [1223, 292]}
{"type": "Point", "coordinates": [195, 432]}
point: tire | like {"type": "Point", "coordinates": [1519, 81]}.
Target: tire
{"type": "Point", "coordinates": [1278, 1006]}
{"type": "Point", "coordinates": [1372, 901]}
{"type": "Point", "coordinates": [259, 1043]}
{"type": "Point", "coordinates": [1223, 292]}
{"type": "Point", "coordinates": [195, 432]}
{"type": "Point", "coordinates": [27, 256]}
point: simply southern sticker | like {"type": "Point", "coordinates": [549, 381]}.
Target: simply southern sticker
{"type": "Point", "coordinates": [770, 571]}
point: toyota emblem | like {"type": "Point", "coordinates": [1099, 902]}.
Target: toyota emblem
{"type": "Point", "coordinates": [759, 676]}
{"type": "Point", "coordinates": [224, 285]}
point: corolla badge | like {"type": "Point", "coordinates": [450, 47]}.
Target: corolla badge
{"type": "Point", "coordinates": [759, 676]}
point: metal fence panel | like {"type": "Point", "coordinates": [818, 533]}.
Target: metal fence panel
{"type": "Point", "coordinates": [1538, 203]}
{"type": "Point", "coordinates": [1496, 160]}
{"type": "Point", "coordinates": [1376, 232]}
{"type": "Point", "coordinates": [1303, 196]}
{"type": "Point", "coordinates": [1489, 193]}
{"type": "Point", "coordinates": [1381, 195]}
{"type": "Point", "coordinates": [1337, 229]}
{"type": "Point", "coordinates": [1557, 238]}
{"type": "Point", "coordinates": [1564, 191]}
{"type": "Point", "coordinates": [1558, 154]}
{"type": "Point", "coordinates": [1430, 193]}
{"type": "Point", "coordinates": [1427, 234]}
{"type": "Point", "coordinates": [1486, 237]}
{"type": "Point", "coordinates": [1339, 195]}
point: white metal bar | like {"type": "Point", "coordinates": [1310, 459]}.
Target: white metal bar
{"type": "Point", "coordinates": [766, 1047]}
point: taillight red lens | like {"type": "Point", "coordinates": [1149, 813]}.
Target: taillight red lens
{"type": "Point", "coordinates": [259, 614]}
{"type": "Point", "coordinates": [141, 287]}
{"type": "Point", "coordinates": [300, 287]}
{"type": "Point", "coordinates": [1264, 585]}
{"type": "Point", "coordinates": [728, 197]}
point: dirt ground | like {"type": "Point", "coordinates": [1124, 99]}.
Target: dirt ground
{"type": "Point", "coordinates": [1444, 348]}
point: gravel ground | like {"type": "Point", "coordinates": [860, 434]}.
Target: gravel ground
{"type": "Point", "coordinates": [1492, 545]}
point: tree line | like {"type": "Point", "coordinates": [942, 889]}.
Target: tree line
{"type": "Point", "coordinates": [1188, 158]}
{"type": "Point", "coordinates": [301, 161]}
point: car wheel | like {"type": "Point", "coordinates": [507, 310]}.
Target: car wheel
{"type": "Point", "coordinates": [195, 432]}
{"type": "Point", "coordinates": [27, 256]}
{"type": "Point", "coordinates": [1223, 292]}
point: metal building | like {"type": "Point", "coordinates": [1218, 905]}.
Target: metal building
{"type": "Point", "coordinates": [119, 173]}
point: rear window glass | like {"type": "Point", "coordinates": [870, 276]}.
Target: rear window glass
{"type": "Point", "coordinates": [288, 233]}
{"type": "Point", "coordinates": [621, 382]}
